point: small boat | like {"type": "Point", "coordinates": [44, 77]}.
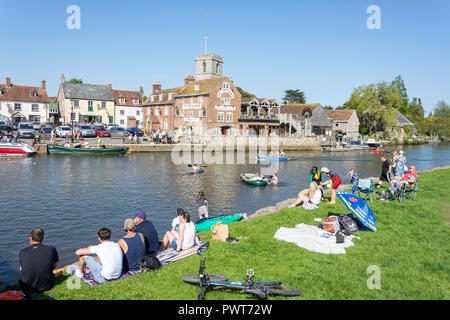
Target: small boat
{"type": "Point", "coordinates": [57, 149]}
{"type": "Point", "coordinates": [247, 178]}
{"type": "Point", "coordinates": [16, 149]}
{"type": "Point", "coordinates": [201, 170]}
{"type": "Point", "coordinates": [207, 223]}
{"type": "Point", "coordinates": [376, 150]}
{"type": "Point", "coordinates": [372, 143]}
{"type": "Point", "coordinates": [276, 158]}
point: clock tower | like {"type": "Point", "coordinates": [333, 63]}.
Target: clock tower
{"type": "Point", "coordinates": [208, 66]}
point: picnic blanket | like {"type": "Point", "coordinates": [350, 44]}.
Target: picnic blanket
{"type": "Point", "coordinates": [314, 239]}
{"type": "Point", "coordinates": [165, 257]}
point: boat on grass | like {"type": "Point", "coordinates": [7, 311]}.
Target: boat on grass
{"type": "Point", "coordinates": [249, 178]}
{"type": "Point", "coordinates": [57, 149]}
{"type": "Point", "coordinates": [206, 223]}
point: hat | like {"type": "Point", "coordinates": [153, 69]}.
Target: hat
{"type": "Point", "coordinates": [129, 224]}
{"type": "Point", "coordinates": [324, 169]}
{"type": "Point", "coordinates": [139, 214]}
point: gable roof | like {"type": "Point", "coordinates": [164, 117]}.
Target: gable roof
{"type": "Point", "coordinates": [205, 86]}
{"type": "Point", "coordinates": [86, 91]}
{"type": "Point", "coordinates": [298, 108]}
{"type": "Point", "coordinates": [128, 96]}
{"type": "Point", "coordinates": [164, 97]}
{"type": "Point", "coordinates": [318, 116]}
{"type": "Point", "coordinates": [403, 121]}
{"type": "Point", "coordinates": [340, 115]}
{"type": "Point", "coordinates": [22, 93]}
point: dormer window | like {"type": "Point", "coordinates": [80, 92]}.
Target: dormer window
{"type": "Point", "coordinates": [136, 101]}
{"type": "Point", "coordinates": [197, 87]}
{"type": "Point", "coordinates": [33, 94]}
{"type": "Point", "coordinates": [122, 100]}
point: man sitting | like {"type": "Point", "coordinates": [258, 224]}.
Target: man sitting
{"type": "Point", "coordinates": [133, 246]}
{"type": "Point", "coordinates": [108, 265]}
{"type": "Point", "coordinates": [37, 263]}
{"type": "Point", "coordinates": [148, 230]}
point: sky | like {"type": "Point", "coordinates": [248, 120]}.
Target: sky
{"type": "Point", "coordinates": [323, 48]}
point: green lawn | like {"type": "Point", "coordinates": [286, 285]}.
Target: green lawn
{"type": "Point", "coordinates": [411, 248]}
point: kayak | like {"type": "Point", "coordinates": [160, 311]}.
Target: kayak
{"type": "Point", "coordinates": [276, 158]}
{"type": "Point", "coordinates": [246, 177]}
{"type": "Point", "coordinates": [207, 223]}
{"type": "Point", "coordinates": [198, 171]}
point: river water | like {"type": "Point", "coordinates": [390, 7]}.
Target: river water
{"type": "Point", "coordinates": [72, 197]}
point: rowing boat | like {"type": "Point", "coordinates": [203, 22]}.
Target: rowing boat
{"type": "Point", "coordinates": [56, 149]}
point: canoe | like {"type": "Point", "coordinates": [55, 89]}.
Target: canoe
{"type": "Point", "coordinates": [246, 177]}
{"type": "Point", "coordinates": [207, 223]}
{"type": "Point", "coordinates": [275, 158]}
{"type": "Point", "coordinates": [381, 150]}
{"type": "Point", "coordinates": [57, 149]}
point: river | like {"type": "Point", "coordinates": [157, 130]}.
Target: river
{"type": "Point", "coordinates": [72, 197]}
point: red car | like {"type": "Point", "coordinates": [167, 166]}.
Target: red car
{"type": "Point", "coordinates": [102, 132]}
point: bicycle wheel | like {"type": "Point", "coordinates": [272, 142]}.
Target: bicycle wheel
{"type": "Point", "coordinates": [283, 290]}
{"type": "Point", "coordinates": [195, 279]}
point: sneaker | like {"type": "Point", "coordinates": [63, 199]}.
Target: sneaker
{"type": "Point", "coordinates": [76, 272]}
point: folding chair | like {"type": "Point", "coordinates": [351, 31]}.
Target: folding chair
{"type": "Point", "coordinates": [409, 191]}
{"type": "Point", "coordinates": [364, 189]}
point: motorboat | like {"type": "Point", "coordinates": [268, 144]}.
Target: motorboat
{"type": "Point", "coordinates": [16, 149]}
{"type": "Point", "coordinates": [372, 143]}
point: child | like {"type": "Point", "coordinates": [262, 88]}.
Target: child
{"type": "Point", "coordinates": [202, 205]}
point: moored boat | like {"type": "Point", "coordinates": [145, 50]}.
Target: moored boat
{"type": "Point", "coordinates": [276, 158]}
{"type": "Point", "coordinates": [249, 179]}
{"type": "Point", "coordinates": [57, 149]}
{"type": "Point", "coordinates": [16, 149]}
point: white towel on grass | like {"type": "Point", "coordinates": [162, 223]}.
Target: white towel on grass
{"type": "Point", "coordinates": [314, 239]}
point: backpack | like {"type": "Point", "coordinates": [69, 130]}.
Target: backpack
{"type": "Point", "coordinates": [347, 223]}
{"type": "Point", "coordinates": [149, 263]}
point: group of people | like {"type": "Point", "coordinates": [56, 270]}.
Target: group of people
{"type": "Point", "coordinates": [273, 180]}
{"type": "Point", "coordinates": [310, 198]}
{"type": "Point", "coordinates": [398, 173]}
{"type": "Point", "coordinates": [161, 136]}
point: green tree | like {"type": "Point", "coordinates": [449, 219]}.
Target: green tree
{"type": "Point", "coordinates": [294, 96]}
{"type": "Point", "coordinates": [245, 94]}
{"type": "Point", "coordinates": [416, 113]}
{"type": "Point", "coordinates": [328, 107]}
{"type": "Point", "coordinates": [75, 80]}
{"type": "Point", "coordinates": [376, 105]}
{"type": "Point", "coordinates": [399, 84]}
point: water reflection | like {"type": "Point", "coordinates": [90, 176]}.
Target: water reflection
{"type": "Point", "coordinates": [72, 197]}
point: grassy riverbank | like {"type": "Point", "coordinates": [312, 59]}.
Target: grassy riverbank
{"type": "Point", "coordinates": [410, 248]}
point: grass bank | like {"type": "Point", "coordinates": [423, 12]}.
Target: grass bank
{"type": "Point", "coordinates": [411, 248]}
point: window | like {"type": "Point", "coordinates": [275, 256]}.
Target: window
{"type": "Point", "coordinates": [229, 117]}
{"type": "Point", "coordinates": [166, 111]}
{"type": "Point", "coordinates": [220, 117]}
{"type": "Point", "coordinates": [111, 120]}
{"type": "Point", "coordinates": [169, 96]}
{"type": "Point", "coordinates": [217, 68]}
{"type": "Point", "coordinates": [34, 119]}
{"type": "Point", "coordinates": [165, 125]}
{"type": "Point", "coordinates": [103, 104]}
{"type": "Point", "coordinates": [225, 101]}
{"type": "Point", "coordinates": [122, 112]}
{"type": "Point", "coordinates": [200, 113]}
{"type": "Point", "coordinates": [136, 101]}
{"type": "Point", "coordinates": [34, 108]}
{"type": "Point", "coordinates": [122, 122]}
{"type": "Point", "coordinates": [226, 85]}
{"type": "Point", "coordinates": [197, 87]}
{"type": "Point", "coordinates": [76, 103]}
{"type": "Point", "coordinates": [204, 66]}
{"type": "Point", "coordinates": [17, 107]}
{"type": "Point", "coordinates": [192, 100]}
{"type": "Point", "coordinates": [200, 99]}
{"type": "Point", "coordinates": [122, 100]}
{"type": "Point", "coordinates": [33, 94]}
{"type": "Point", "coordinates": [90, 103]}
{"type": "Point", "coordinates": [138, 112]}
{"type": "Point", "coordinates": [160, 97]}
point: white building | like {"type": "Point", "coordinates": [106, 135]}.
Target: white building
{"type": "Point", "coordinates": [24, 103]}
{"type": "Point", "coordinates": [128, 111]}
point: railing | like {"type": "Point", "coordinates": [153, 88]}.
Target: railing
{"type": "Point", "coordinates": [250, 117]}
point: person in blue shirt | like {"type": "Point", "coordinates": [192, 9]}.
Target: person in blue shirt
{"type": "Point", "coordinates": [147, 228]}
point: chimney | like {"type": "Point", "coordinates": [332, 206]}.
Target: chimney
{"type": "Point", "coordinates": [43, 84]}
{"type": "Point", "coordinates": [141, 91]}
{"type": "Point", "coordinates": [156, 87]}
{"type": "Point", "coordinates": [62, 78]}
{"type": "Point", "coordinates": [8, 82]}
{"type": "Point", "coordinates": [188, 80]}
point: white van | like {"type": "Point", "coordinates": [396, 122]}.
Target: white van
{"type": "Point", "coordinates": [25, 130]}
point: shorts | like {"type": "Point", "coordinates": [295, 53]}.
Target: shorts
{"type": "Point", "coordinates": [173, 244]}
{"type": "Point", "coordinates": [96, 269]}
{"type": "Point", "coordinates": [203, 211]}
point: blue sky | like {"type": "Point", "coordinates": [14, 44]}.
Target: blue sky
{"type": "Point", "coordinates": [323, 48]}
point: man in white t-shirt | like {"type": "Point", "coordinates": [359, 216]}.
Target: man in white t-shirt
{"type": "Point", "coordinates": [108, 264]}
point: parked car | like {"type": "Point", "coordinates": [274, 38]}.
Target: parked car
{"type": "Point", "coordinates": [37, 126]}
{"type": "Point", "coordinates": [86, 130]}
{"type": "Point", "coordinates": [49, 125]}
{"type": "Point", "coordinates": [6, 130]}
{"type": "Point", "coordinates": [62, 131]}
{"type": "Point", "coordinates": [135, 131]}
{"type": "Point", "coordinates": [45, 133]}
{"type": "Point", "coordinates": [25, 130]}
{"type": "Point", "coordinates": [118, 132]}
{"type": "Point", "coordinates": [102, 132]}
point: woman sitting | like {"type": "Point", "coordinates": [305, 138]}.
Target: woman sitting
{"type": "Point", "coordinates": [309, 197]}
{"type": "Point", "coordinates": [184, 238]}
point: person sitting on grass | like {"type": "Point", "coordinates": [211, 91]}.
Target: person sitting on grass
{"type": "Point", "coordinates": [335, 181]}
{"type": "Point", "coordinates": [148, 230]}
{"type": "Point", "coordinates": [108, 264]}
{"type": "Point", "coordinates": [182, 239]}
{"type": "Point", "coordinates": [309, 196]}
{"type": "Point", "coordinates": [133, 246]}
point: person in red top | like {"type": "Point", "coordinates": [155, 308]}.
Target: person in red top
{"type": "Point", "coordinates": [336, 182]}
{"type": "Point", "coordinates": [410, 176]}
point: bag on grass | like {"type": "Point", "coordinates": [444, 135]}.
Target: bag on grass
{"type": "Point", "coordinates": [149, 263]}
{"type": "Point", "coordinates": [331, 224]}
{"type": "Point", "coordinates": [347, 223]}
{"type": "Point", "coordinates": [220, 232]}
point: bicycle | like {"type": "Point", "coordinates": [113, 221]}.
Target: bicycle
{"type": "Point", "coordinates": [259, 288]}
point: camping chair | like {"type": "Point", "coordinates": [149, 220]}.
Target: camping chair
{"type": "Point", "coordinates": [364, 189]}
{"type": "Point", "coordinates": [409, 191]}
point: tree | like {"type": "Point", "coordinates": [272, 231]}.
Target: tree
{"type": "Point", "coordinates": [328, 107]}
{"type": "Point", "coordinates": [399, 84]}
{"type": "Point", "coordinates": [244, 93]}
{"type": "Point", "coordinates": [416, 113]}
{"type": "Point", "coordinates": [75, 80]}
{"type": "Point", "coordinates": [439, 123]}
{"type": "Point", "coordinates": [376, 105]}
{"type": "Point", "coordinates": [442, 110]}
{"type": "Point", "coordinates": [294, 96]}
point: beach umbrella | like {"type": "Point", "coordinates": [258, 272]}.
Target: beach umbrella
{"type": "Point", "coordinates": [359, 209]}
